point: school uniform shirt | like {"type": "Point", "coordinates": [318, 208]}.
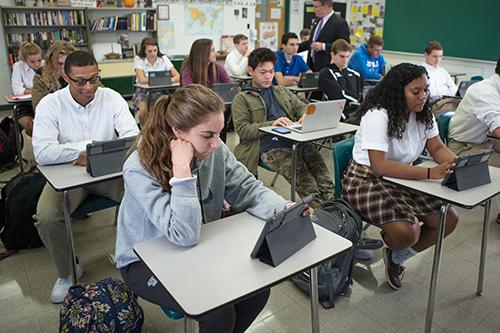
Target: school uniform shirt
{"type": "Point", "coordinates": [335, 83]}
{"type": "Point", "coordinates": [222, 77]}
{"type": "Point", "coordinates": [294, 67]}
{"type": "Point", "coordinates": [161, 64]}
{"type": "Point", "coordinates": [22, 77]}
{"type": "Point", "coordinates": [372, 135]}
{"type": "Point", "coordinates": [63, 128]}
{"type": "Point", "coordinates": [236, 64]}
{"type": "Point", "coordinates": [440, 82]}
{"type": "Point", "coordinates": [478, 113]}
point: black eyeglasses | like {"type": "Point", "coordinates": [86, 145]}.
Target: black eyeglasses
{"type": "Point", "coordinates": [82, 82]}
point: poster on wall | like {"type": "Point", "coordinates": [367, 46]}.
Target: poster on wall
{"type": "Point", "coordinates": [203, 20]}
{"type": "Point", "coordinates": [366, 18]}
{"type": "Point", "coordinates": [166, 35]}
{"type": "Point", "coordinates": [268, 35]}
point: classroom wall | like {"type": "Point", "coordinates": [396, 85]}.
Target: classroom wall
{"type": "Point", "coordinates": [5, 89]}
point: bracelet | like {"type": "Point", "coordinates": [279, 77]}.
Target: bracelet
{"type": "Point", "coordinates": [428, 173]}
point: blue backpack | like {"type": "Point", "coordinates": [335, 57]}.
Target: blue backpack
{"type": "Point", "coordinates": [105, 306]}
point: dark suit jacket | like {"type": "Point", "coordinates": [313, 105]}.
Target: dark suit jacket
{"type": "Point", "coordinates": [335, 28]}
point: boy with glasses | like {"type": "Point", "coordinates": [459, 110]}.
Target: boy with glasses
{"type": "Point", "coordinates": [67, 120]}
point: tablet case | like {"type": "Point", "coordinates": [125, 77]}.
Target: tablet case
{"type": "Point", "coordinates": [470, 171]}
{"type": "Point", "coordinates": [309, 80]}
{"type": "Point", "coordinates": [159, 78]}
{"type": "Point", "coordinates": [226, 90]}
{"type": "Point", "coordinates": [107, 157]}
{"type": "Point", "coordinates": [284, 234]}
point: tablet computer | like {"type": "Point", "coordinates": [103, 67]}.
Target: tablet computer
{"type": "Point", "coordinates": [466, 161]}
{"type": "Point", "coordinates": [284, 234]}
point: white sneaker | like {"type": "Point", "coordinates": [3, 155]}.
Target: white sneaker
{"type": "Point", "coordinates": [62, 285]}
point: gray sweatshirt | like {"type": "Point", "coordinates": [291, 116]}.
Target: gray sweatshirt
{"type": "Point", "coordinates": [148, 211]}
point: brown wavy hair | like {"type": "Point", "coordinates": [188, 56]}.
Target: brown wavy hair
{"type": "Point", "coordinates": [188, 107]}
{"type": "Point", "coordinates": [148, 41]}
{"type": "Point", "coordinates": [50, 76]}
{"type": "Point", "coordinates": [198, 62]}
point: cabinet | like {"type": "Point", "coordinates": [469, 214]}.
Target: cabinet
{"type": "Point", "coordinates": [81, 26]}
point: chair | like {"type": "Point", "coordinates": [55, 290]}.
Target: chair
{"type": "Point", "coordinates": [443, 124]}
{"type": "Point", "coordinates": [477, 78]}
{"type": "Point", "coordinates": [342, 154]}
{"type": "Point", "coordinates": [189, 326]}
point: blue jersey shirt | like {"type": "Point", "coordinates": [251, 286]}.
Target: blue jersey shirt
{"type": "Point", "coordinates": [295, 67]}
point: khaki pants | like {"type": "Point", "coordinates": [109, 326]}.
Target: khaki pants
{"type": "Point", "coordinates": [50, 217]}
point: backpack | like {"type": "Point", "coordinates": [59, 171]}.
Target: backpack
{"type": "Point", "coordinates": [8, 150]}
{"type": "Point", "coordinates": [334, 275]}
{"type": "Point", "coordinates": [105, 306]}
{"type": "Point", "coordinates": [17, 206]}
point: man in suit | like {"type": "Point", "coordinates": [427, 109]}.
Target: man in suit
{"type": "Point", "coordinates": [326, 30]}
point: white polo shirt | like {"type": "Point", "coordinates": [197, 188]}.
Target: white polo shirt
{"type": "Point", "coordinates": [22, 77]}
{"type": "Point", "coordinates": [440, 82]}
{"type": "Point", "coordinates": [161, 64]}
{"type": "Point", "coordinates": [236, 63]}
{"type": "Point", "coordinates": [372, 135]}
{"type": "Point", "coordinates": [63, 128]}
{"type": "Point", "coordinates": [478, 113]}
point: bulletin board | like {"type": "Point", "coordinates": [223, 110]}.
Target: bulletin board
{"type": "Point", "coordinates": [190, 20]}
{"type": "Point", "coordinates": [270, 23]}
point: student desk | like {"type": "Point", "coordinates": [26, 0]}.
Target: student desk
{"type": "Point", "coordinates": [455, 75]}
{"type": "Point", "coordinates": [466, 199]}
{"type": "Point", "coordinates": [298, 138]}
{"type": "Point", "coordinates": [15, 101]}
{"type": "Point", "coordinates": [307, 91]}
{"type": "Point", "coordinates": [66, 177]}
{"type": "Point", "coordinates": [166, 87]}
{"type": "Point", "coordinates": [219, 271]}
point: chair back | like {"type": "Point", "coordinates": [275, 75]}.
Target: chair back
{"type": "Point", "coordinates": [342, 154]}
{"type": "Point", "coordinates": [477, 78]}
{"type": "Point", "coordinates": [443, 124]}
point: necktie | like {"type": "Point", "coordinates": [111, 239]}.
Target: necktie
{"type": "Point", "coordinates": [315, 37]}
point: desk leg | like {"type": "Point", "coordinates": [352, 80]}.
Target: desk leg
{"type": "Point", "coordinates": [17, 133]}
{"type": "Point", "coordinates": [294, 171]}
{"type": "Point", "coordinates": [435, 267]}
{"type": "Point", "coordinates": [313, 285]}
{"type": "Point", "coordinates": [484, 246]}
{"type": "Point", "coordinates": [189, 325]}
{"type": "Point", "coordinates": [69, 237]}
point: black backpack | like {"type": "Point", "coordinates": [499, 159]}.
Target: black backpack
{"type": "Point", "coordinates": [8, 150]}
{"type": "Point", "coordinates": [17, 206]}
{"type": "Point", "coordinates": [334, 275]}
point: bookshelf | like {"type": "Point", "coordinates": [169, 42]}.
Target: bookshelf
{"type": "Point", "coordinates": [83, 26]}
{"type": "Point", "coordinates": [43, 26]}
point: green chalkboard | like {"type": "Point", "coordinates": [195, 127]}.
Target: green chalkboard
{"type": "Point", "coordinates": [467, 29]}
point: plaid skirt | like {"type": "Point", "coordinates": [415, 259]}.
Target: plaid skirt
{"type": "Point", "coordinates": [140, 95]}
{"type": "Point", "coordinates": [379, 201]}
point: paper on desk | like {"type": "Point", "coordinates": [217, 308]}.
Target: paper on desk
{"type": "Point", "coordinates": [20, 97]}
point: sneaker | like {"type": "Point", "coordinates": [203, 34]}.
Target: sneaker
{"type": "Point", "coordinates": [393, 272]}
{"type": "Point", "coordinates": [62, 286]}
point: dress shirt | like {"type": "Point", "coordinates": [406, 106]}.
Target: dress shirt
{"type": "Point", "coordinates": [440, 82]}
{"type": "Point", "coordinates": [63, 128]}
{"type": "Point", "coordinates": [22, 77]}
{"type": "Point", "coordinates": [236, 64]}
{"type": "Point", "coordinates": [478, 113]}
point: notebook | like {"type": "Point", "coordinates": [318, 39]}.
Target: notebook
{"type": "Point", "coordinates": [226, 90]}
{"type": "Point", "coordinates": [105, 157]}
{"type": "Point", "coordinates": [159, 78]}
{"type": "Point", "coordinates": [320, 116]}
{"type": "Point", "coordinates": [308, 80]}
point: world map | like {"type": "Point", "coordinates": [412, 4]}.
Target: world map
{"type": "Point", "coordinates": [202, 20]}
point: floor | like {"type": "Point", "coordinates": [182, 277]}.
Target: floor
{"type": "Point", "coordinates": [26, 281]}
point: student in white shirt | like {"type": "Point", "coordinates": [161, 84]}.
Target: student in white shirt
{"type": "Point", "coordinates": [149, 59]}
{"type": "Point", "coordinates": [477, 116]}
{"type": "Point", "coordinates": [396, 126]}
{"type": "Point", "coordinates": [237, 60]}
{"type": "Point", "coordinates": [67, 120]}
{"type": "Point", "coordinates": [23, 72]}
{"type": "Point", "coordinates": [440, 81]}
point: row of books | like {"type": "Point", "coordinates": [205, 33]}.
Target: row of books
{"type": "Point", "coordinates": [45, 18]}
{"type": "Point", "coordinates": [133, 22]}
